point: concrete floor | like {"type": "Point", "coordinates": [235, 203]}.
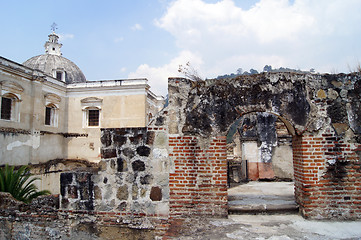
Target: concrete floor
{"type": "Point", "coordinates": [265, 226]}
{"type": "Point", "coordinates": [268, 227]}
{"type": "Point", "coordinates": [262, 197]}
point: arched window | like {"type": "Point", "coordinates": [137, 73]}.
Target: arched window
{"type": "Point", "coordinates": [51, 115]}
{"type": "Point", "coordinates": [10, 107]}
{"type": "Point", "coordinates": [10, 93]}
{"type": "Point", "coordinates": [52, 102]}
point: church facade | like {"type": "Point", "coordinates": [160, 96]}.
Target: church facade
{"type": "Point", "coordinates": [51, 116]}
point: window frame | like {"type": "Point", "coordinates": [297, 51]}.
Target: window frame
{"type": "Point", "coordinates": [52, 101]}
{"type": "Point", "coordinates": [53, 115]}
{"type": "Point", "coordinates": [90, 119]}
{"type": "Point", "coordinates": [6, 113]}
{"type": "Point", "coordinates": [90, 104]}
{"type": "Point", "coordinates": [14, 107]}
{"type": "Point", "coordinates": [59, 71]}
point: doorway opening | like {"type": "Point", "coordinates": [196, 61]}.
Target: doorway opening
{"type": "Point", "coordinates": [260, 164]}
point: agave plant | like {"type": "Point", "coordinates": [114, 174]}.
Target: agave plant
{"type": "Point", "coordinates": [19, 183]}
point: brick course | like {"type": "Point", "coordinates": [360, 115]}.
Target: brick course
{"type": "Point", "coordinates": [327, 176]}
{"type": "Point", "coordinates": [198, 185]}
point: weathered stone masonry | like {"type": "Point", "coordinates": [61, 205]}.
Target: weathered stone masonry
{"type": "Point", "coordinates": [322, 112]}
{"type": "Point", "coordinates": [177, 167]}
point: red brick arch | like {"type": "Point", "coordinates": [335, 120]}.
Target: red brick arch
{"type": "Point", "coordinates": [325, 129]}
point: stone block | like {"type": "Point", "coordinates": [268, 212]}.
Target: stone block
{"type": "Point", "coordinates": [135, 190]}
{"type": "Point", "coordinates": [112, 164]}
{"type": "Point", "coordinates": [321, 94]}
{"type": "Point", "coordinates": [137, 139]}
{"type": "Point", "coordinates": [138, 166]}
{"type": "Point", "coordinates": [147, 179]}
{"type": "Point", "coordinates": [106, 138]}
{"type": "Point", "coordinates": [156, 194]}
{"type": "Point", "coordinates": [121, 165]}
{"type": "Point", "coordinates": [122, 193]}
{"type": "Point", "coordinates": [128, 152]}
{"type": "Point", "coordinates": [161, 140]}
{"type": "Point", "coordinates": [84, 192]}
{"type": "Point", "coordinates": [108, 153]}
{"type": "Point", "coordinates": [143, 192]}
{"type": "Point", "coordinates": [340, 128]}
{"type": "Point", "coordinates": [119, 140]}
{"type": "Point", "coordinates": [150, 137]}
{"type": "Point", "coordinates": [143, 151]}
{"type": "Point", "coordinates": [97, 193]}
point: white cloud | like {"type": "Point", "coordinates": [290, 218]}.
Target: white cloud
{"type": "Point", "coordinates": [137, 27]}
{"type": "Point", "coordinates": [158, 76]}
{"type": "Point", "coordinates": [301, 34]}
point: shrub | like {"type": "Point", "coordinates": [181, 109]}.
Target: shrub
{"type": "Point", "coordinates": [19, 183]}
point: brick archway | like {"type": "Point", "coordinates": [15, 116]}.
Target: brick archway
{"type": "Point", "coordinates": [323, 110]}
{"type": "Point", "coordinates": [260, 134]}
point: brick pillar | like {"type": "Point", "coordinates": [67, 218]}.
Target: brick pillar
{"type": "Point", "coordinates": [307, 161]}
{"type": "Point", "coordinates": [198, 185]}
{"type": "Point", "coordinates": [327, 176]}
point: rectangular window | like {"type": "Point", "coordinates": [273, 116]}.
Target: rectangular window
{"type": "Point", "coordinates": [59, 76]}
{"type": "Point", "coordinates": [48, 116]}
{"type": "Point", "coordinates": [6, 108]}
{"type": "Point", "coordinates": [93, 118]}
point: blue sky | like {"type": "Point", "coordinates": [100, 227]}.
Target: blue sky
{"type": "Point", "coordinates": [115, 39]}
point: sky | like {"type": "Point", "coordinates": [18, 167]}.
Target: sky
{"type": "Point", "coordinates": [119, 39]}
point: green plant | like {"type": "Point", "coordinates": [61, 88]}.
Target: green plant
{"type": "Point", "coordinates": [19, 183]}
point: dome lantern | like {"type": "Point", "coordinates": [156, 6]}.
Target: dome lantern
{"type": "Point", "coordinates": [52, 46]}
{"type": "Point", "coordinates": [54, 64]}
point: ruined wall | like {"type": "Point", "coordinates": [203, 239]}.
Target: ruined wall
{"type": "Point", "coordinates": [43, 220]}
{"type": "Point", "coordinates": [117, 109]}
{"type": "Point", "coordinates": [178, 166]}
{"type": "Point", "coordinates": [132, 178]}
{"type": "Point", "coordinates": [324, 109]}
{"type": "Point", "coordinates": [198, 182]}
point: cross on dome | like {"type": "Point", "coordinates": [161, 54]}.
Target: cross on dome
{"type": "Point", "coordinates": [54, 27]}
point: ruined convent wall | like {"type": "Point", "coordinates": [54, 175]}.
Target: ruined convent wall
{"type": "Point", "coordinates": [322, 112]}
{"type": "Point", "coordinates": [184, 172]}
{"type": "Point", "coordinates": [177, 166]}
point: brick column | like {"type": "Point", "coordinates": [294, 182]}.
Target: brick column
{"type": "Point", "coordinates": [327, 176]}
{"type": "Point", "coordinates": [198, 185]}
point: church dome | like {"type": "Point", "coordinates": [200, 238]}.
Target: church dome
{"type": "Point", "coordinates": [55, 65]}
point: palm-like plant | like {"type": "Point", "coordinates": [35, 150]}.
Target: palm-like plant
{"type": "Point", "coordinates": [19, 184]}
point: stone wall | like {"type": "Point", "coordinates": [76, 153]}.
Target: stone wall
{"type": "Point", "coordinates": [177, 167]}
{"type": "Point", "coordinates": [322, 112]}
{"type": "Point", "coordinates": [132, 178]}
